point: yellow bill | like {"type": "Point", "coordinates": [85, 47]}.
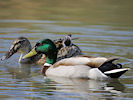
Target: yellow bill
{"type": "Point", "coordinates": [30, 54]}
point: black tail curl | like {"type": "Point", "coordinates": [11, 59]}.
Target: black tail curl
{"type": "Point", "coordinates": [109, 65]}
{"type": "Point", "coordinates": [112, 70]}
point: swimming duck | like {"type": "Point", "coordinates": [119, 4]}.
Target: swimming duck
{"type": "Point", "coordinates": [66, 48]}
{"type": "Point", "coordinates": [64, 45]}
{"type": "Point", "coordinates": [22, 45]}
{"type": "Point", "coordinates": [98, 68]}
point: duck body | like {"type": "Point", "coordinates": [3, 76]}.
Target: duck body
{"type": "Point", "coordinates": [97, 68]}
{"type": "Point", "coordinates": [69, 51]}
{"type": "Point", "coordinates": [77, 67]}
{"type": "Point", "coordinates": [85, 67]}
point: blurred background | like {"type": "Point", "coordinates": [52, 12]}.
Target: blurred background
{"type": "Point", "coordinates": [104, 28]}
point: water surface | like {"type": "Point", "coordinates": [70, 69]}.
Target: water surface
{"type": "Point", "coordinates": [104, 28]}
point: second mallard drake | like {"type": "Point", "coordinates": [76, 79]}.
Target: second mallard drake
{"type": "Point", "coordinates": [64, 45]}
{"type": "Point", "coordinates": [98, 68]}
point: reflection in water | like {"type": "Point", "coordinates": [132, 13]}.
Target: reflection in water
{"type": "Point", "coordinates": [22, 72]}
{"type": "Point", "coordinates": [57, 87]}
{"type": "Point", "coordinates": [88, 88]}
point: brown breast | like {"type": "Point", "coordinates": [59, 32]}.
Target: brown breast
{"type": "Point", "coordinates": [43, 70]}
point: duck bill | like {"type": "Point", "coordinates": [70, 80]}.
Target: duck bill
{"type": "Point", "coordinates": [9, 54]}
{"type": "Point", "coordinates": [30, 54]}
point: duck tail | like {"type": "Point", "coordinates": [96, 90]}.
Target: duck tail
{"type": "Point", "coordinates": [116, 73]}
{"type": "Point", "coordinates": [112, 70]}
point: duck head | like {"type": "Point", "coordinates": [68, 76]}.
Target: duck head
{"type": "Point", "coordinates": [63, 42]}
{"type": "Point", "coordinates": [21, 45]}
{"type": "Point", "coordinates": [67, 41]}
{"type": "Point", "coordinates": [47, 47]}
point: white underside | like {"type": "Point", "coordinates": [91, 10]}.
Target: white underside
{"type": "Point", "coordinates": [79, 71]}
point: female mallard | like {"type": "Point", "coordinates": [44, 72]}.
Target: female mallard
{"type": "Point", "coordinates": [22, 45]}
{"type": "Point", "coordinates": [98, 68]}
{"type": "Point", "coordinates": [66, 48]}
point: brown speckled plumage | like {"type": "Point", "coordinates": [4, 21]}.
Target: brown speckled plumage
{"type": "Point", "coordinates": [68, 51]}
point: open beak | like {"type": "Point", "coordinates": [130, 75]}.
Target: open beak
{"type": "Point", "coordinates": [30, 54]}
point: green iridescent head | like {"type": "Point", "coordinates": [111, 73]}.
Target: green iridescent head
{"type": "Point", "coordinates": [47, 47]}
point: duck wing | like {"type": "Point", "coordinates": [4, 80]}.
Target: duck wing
{"type": "Point", "coordinates": [73, 61]}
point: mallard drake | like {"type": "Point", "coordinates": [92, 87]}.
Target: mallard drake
{"type": "Point", "coordinates": [98, 68]}
{"type": "Point", "coordinates": [64, 45]}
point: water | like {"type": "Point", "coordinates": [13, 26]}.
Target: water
{"type": "Point", "coordinates": [104, 28]}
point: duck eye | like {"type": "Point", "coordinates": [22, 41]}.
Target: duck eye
{"type": "Point", "coordinates": [38, 44]}
{"type": "Point", "coordinates": [21, 41]}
